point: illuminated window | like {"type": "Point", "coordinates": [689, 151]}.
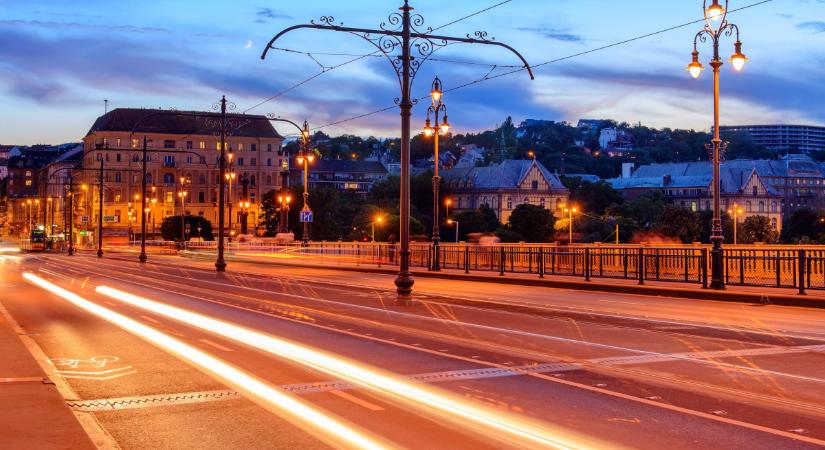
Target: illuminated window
{"type": "Point", "coordinates": [135, 143]}
{"type": "Point", "coordinates": [169, 197]}
{"type": "Point", "coordinates": [28, 182]}
{"type": "Point", "coordinates": [240, 146]}
{"type": "Point", "coordinates": [202, 145]}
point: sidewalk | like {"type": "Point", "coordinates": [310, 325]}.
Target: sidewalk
{"type": "Point", "coordinates": [745, 294]}
{"type": "Point", "coordinates": [33, 414]}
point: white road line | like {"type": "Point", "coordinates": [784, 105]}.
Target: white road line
{"type": "Point", "coordinates": [215, 345]}
{"type": "Point", "coordinates": [356, 400]}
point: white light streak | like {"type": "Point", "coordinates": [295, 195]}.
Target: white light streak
{"type": "Point", "coordinates": [494, 423]}
{"type": "Point", "coordinates": [332, 431]}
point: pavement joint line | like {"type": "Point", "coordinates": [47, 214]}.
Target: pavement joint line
{"type": "Point", "coordinates": [550, 308]}
{"type": "Point", "coordinates": [645, 354]}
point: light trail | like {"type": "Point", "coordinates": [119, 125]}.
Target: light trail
{"type": "Point", "coordinates": [330, 430]}
{"type": "Point", "coordinates": [494, 424]}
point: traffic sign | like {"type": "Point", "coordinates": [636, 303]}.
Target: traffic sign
{"type": "Point", "coordinates": [306, 216]}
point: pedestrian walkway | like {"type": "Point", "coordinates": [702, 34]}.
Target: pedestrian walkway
{"type": "Point", "coordinates": [33, 414]}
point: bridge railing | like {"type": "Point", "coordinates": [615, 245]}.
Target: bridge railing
{"type": "Point", "coordinates": [798, 268]}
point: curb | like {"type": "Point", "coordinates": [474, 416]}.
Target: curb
{"type": "Point", "coordinates": [649, 290]}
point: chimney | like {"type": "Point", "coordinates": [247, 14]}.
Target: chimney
{"type": "Point", "coordinates": [666, 180]}
{"type": "Point", "coordinates": [628, 169]}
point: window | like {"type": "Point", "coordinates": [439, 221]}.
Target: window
{"type": "Point", "coordinates": [761, 206]}
{"type": "Point", "coordinates": [773, 223]}
{"type": "Point", "coordinates": [693, 206]}
{"type": "Point", "coordinates": [240, 161]}
{"type": "Point", "coordinates": [773, 207]}
{"type": "Point", "coordinates": [535, 185]}
{"type": "Point", "coordinates": [169, 144]}
{"type": "Point", "coordinates": [541, 202]}
{"type": "Point", "coordinates": [202, 145]}
{"type": "Point", "coordinates": [189, 159]}
{"type": "Point", "coordinates": [169, 160]}
{"type": "Point", "coordinates": [755, 190]}
{"type": "Point", "coordinates": [526, 200]}
{"type": "Point", "coordinates": [202, 179]}
{"type": "Point", "coordinates": [253, 161]}
{"type": "Point", "coordinates": [135, 143]}
{"type": "Point", "coordinates": [252, 181]}
{"type": "Point", "coordinates": [117, 197]}
{"type": "Point", "coordinates": [189, 145]}
{"type": "Point", "coordinates": [509, 203]}
{"type": "Point", "coordinates": [269, 147]}
{"type": "Point", "coordinates": [117, 177]}
{"type": "Point", "coordinates": [269, 162]}
{"type": "Point", "coordinates": [136, 157]}
{"type": "Point", "coordinates": [252, 197]}
{"type": "Point", "coordinates": [253, 147]}
{"type": "Point", "coordinates": [28, 182]}
{"type": "Point", "coordinates": [269, 180]}
{"type": "Point", "coordinates": [149, 178]}
{"type": "Point", "coordinates": [28, 173]}
{"type": "Point", "coordinates": [117, 143]}
{"type": "Point", "coordinates": [168, 178]}
{"type": "Point", "coordinates": [240, 146]}
{"type": "Point", "coordinates": [748, 206]}
{"type": "Point", "coordinates": [170, 196]}
{"type": "Point", "coordinates": [201, 197]}
{"type": "Point", "coordinates": [117, 157]}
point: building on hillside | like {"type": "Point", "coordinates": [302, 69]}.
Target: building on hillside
{"type": "Point", "coordinates": [503, 187]}
{"type": "Point", "coordinates": [184, 155]}
{"type": "Point", "coordinates": [615, 142]}
{"type": "Point", "coordinates": [342, 175]}
{"type": "Point", "coordinates": [800, 138]}
{"type": "Point", "coordinates": [471, 156]}
{"type": "Point", "coordinates": [759, 187]}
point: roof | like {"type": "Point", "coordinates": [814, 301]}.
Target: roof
{"type": "Point", "coordinates": [506, 175]}
{"type": "Point", "coordinates": [348, 166]}
{"type": "Point", "coordinates": [181, 122]}
{"type": "Point", "coordinates": [584, 177]}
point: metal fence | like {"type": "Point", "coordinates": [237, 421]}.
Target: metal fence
{"type": "Point", "coordinates": [781, 267]}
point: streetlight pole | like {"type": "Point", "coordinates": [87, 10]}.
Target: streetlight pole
{"type": "Point", "coordinates": [100, 211]}
{"type": "Point", "coordinates": [401, 31]}
{"type": "Point", "coordinates": [735, 211]}
{"type": "Point", "coordinates": [437, 108]}
{"type": "Point", "coordinates": [570, 210]}
{"type": "Point", "coordinates": [231, 178]}
{"type": "Point", "coordinates": [716, 13]}
{"type": "Point", "coordinates": [450, 221]}
{"type": "Point", "coordinates": [70, 197]}
{"type": "Point", "coordinates": [379, 220]}
{"type": "Point", "coordinates": [306, 156]}
{"type": "Point", "coordinates": [182, 195]}
{"type": "Point", "coordinates": [142, 257]}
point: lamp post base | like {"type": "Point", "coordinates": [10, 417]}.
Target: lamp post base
{"type": "Point", "coordinates": [142, 258]}
{"type": "Point", "coordinates": [220, 266]}
{"type": "Point", "coordinates": [716, 263]}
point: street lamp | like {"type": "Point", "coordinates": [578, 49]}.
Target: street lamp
{"type": "Point", "coordinates": [570, 211]}
{"type": "Point", "coordinates": [400, 34]}
{"type": "Point", "coordinates": [182, 195]}
{"type": "Point", "coordinates": [378, 219]}
{"type": "Point", "coordinates": [736, 210]}
{"type": "Point", "coordinates": [305, 156]}
{"type": "Point", "coordinates": [436, 109]}
{"type": "Point", "coordinates": [230, 178]}
{"type": "Point", "coordinates": [447, 203]}
{"type": "Point", "coordinates": [451, 221]}
{"type": "Point", "coordinates": [245, 214]}
{"type": "Point", "coordinates": [716, 25]}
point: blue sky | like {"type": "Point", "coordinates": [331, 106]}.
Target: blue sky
{"type": "Point", "coordinates": [59, 59]}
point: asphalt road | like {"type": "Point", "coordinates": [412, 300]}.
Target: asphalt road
{"type": "Point", "coordinates": [593, 370]}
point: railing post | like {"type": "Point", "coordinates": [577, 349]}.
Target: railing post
{"type": "Point", "coordinates": [541, 262]}
{"type": "Point", "coordinates": [641, 265]}
{"type": "Point", "coordinates": [378, 246]}
{"type": "Point", "coordinates": [501, 262]}
{"type": "Point", "coordinates": [802, 261]}
{"type": "Point", "coordinates": [704, 260]}
{"type": "Point", "coordinates": [466, 258]}
{"type": "Point", "coordinates": [741, 268]}
{"type": "Point", "coordinates": [587, 264]}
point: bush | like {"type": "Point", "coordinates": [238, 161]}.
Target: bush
{"type": "Point", "coordinates": [170, 228]}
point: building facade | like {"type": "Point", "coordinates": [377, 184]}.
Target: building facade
{"type": "Point", "coordinates": [342, 175]}
{"type": "Point", "coordinates": [801, 138]}
{"type": "Point", "coordinates": [503, 187]}
{"type": "Point", "coordinates": [183, 167]}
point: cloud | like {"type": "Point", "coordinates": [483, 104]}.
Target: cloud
{"type": "Point", "coordinates": [78, 25]}
{"type": "Point", "coordinates": [555, 34]}
{"type": "Point", "coordinates": [267, 14]}
{"type": "Point", "coordinates": [812, 27]}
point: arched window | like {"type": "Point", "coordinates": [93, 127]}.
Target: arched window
{"type": "Point", "coordinates": [773, 207]}
{"type": "Point", "coordinates": [168, 178]}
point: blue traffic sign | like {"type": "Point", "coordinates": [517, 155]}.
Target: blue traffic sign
{"type": "Point", "coordinates": [306, 216]}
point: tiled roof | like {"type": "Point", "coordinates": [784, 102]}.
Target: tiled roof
{"type": "Point", "coordinates": [507, 175]}
{"type": "Point", "coordinates": [182, 122]}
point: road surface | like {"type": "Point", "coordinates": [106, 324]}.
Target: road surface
{"type": "Point", "coordinates": [468, 365]}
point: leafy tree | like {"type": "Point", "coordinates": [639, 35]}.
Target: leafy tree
{"type": "Point", "coordinates": [803, 224]}
{"type": "Point", "coordinates": [593, 198]}
{"type": "Point", "coordinates": [757, 229]}
{"type": "Point", "coordinates": [706, 219]}
{"type": "Point", "coordinates": [645, 209]}
{"type": "Point", "coordinates": [508, 235]}
{"type": "Point", "coordinates": [482, 220]}
{"type": "Point", "coordinates": [170, 228]}
{"type": "Point", "coordinates": [680, 223]}
{"type": "Point", "coordinates": [532, 222]}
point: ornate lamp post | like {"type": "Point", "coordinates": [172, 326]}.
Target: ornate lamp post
{"type": "Point", "coordinates": [400, 33]}
{"type": "Point", "coordinates": [716, 26]}
{"type": "Point", "coordinates": [434, 129]}
{"type": "Point", "coordinates": [306, 156]}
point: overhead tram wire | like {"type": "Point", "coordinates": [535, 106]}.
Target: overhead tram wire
{"type": "Point", "coordinates": [489, 77]}
{"type": "Point", "coordinates": [360, 57]}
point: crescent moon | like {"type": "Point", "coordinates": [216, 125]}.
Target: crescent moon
{"type": "Point", "coordinates": [249, 44]}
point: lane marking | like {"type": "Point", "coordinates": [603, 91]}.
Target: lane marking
{"type": "Point", "coordinates": [149, 319]}
{"type": "Point", "coordinates": [297, 411]}
{"type": "Point", "coordinates": [356, 400]}
{"type": "Point", "coordinates": [215, 345]}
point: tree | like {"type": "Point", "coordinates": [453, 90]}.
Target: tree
{"type": "Point", "coordinates": [680, 223]}
{"type": "Point", "coordinates": [757, 229]}
{"type": "Point", "coordinates": [706, 219]}
{"type": "Point", "coordinates": [594, 198]}
{"type": "Point", "coordinates": [533, 223]}
{"type": "Point", "coordinates": [482, 220]}
{"type": "Point", "coordinates": [804, 224]}
{"type": "Point", "coordinates": [197, 227]}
